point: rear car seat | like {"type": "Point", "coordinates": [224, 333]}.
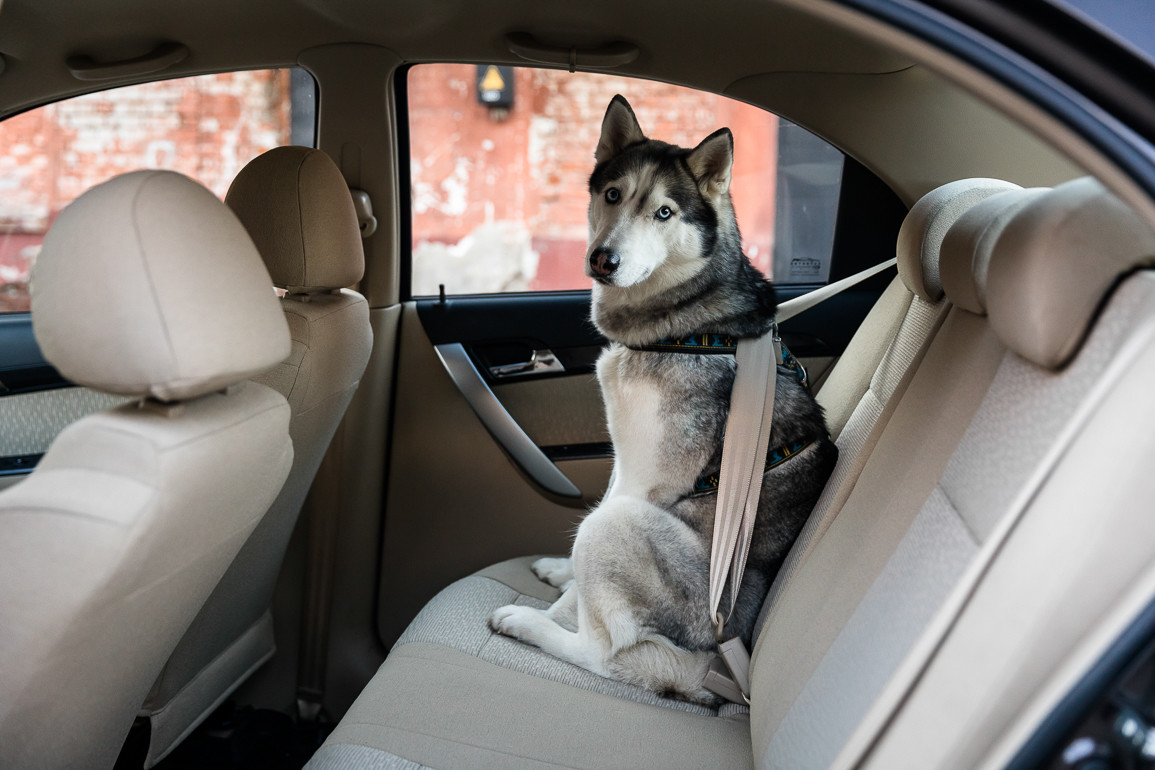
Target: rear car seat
{"type": "Point", "coordinates": [913, 306]}
{"type": "Point", "coordinates": [966, 436]}
{"type": "Point", "coordinates": [1072, 565]}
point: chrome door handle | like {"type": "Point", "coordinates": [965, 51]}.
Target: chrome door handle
{"type": "Point", "coordinates": [504, 429]}
{"type": "Point", "coordinates": [540, 361]}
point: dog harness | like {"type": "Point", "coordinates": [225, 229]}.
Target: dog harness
{"type": "Point", "coordinates": [712, 343]}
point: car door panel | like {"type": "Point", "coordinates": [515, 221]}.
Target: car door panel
{"type": "Point", "coordinates": [454, 502]}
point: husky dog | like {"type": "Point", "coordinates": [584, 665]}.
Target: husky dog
{"type": "Point", "coordinates": [667, 264]}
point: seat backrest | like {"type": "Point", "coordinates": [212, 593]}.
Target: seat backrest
{"type": "Point", "coordinates": [1067, 555]}
{"type": "Point", "coordinates": [900, 321]}
{"type": "Point", "coordinates": [146, 286]}
{"type": "Point", "coordinates": [884, 348]}
{"type": "Point", "coordinates": [978, 416]}
{"type": "Point", "coordinates": [296, 206]}
{"type": "Point", "coordinates": [898, 476]}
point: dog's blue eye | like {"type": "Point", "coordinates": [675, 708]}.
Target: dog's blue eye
{"type": "Point", "coordinates": [665, 213]}
{"type": "Point", "coordinates": [613, 195]}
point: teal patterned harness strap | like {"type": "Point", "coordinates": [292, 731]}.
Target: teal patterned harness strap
{"type": "Point", "coordinates": [709, 343]}
{"type": "Point", "coordinates": [702, 343]}
{"type": "Point", "coordinates": [708, 484]}
{"type": "Point", "coordinates": [793, 364]}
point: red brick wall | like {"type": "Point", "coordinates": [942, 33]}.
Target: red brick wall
{"type": "Point", "coordinates": [504, 196]}
{"type": "Point", "coordinates": [206, 127]}
{"type": "Point", "coordinates": [532, 167]}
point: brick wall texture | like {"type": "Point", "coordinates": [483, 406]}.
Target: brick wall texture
{"type": "Point", "coordinates": [206, 127]}
{"type": "Point", "coordinates": [499, 198]}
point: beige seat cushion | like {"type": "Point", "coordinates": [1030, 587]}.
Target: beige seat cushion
{"type": "Point", "coordinates": [110, 547]}
{"type": "Point", "coordinates": [439, 707]}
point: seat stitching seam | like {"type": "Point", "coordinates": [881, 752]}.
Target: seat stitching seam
{"type": "Point", "coordinates": [151, 282]}
{"type": "Point", "coordinates": [445, 740]}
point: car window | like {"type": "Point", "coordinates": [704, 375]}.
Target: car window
{"type": "Point", "coordinates": [207, 127]}
{"type": "Point", "coordinates": [500, 158]}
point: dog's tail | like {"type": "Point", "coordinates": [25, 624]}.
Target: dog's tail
{"type": "Point", "coordinates": [658, 664]}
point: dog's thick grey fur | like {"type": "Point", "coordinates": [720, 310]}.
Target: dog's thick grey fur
{"type": "Point", "coordinates": [666, 257]}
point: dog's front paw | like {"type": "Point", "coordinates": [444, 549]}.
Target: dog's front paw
{"type": "Point", "coordinates": [557, 572]}
{"type": "Point", "coordinates": [514, 620]}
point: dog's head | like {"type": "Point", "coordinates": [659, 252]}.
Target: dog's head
{"type": "Point", "coordinates": [656, 210]}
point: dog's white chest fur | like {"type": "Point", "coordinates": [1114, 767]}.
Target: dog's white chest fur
{"type": "Point", "coordinates": [636, 425]}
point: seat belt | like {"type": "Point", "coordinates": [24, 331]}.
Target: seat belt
{"type": "Point", "coordinates": [793, 307]}
{"type": "Point", "coordinates": [322, 509]}
{"type": "Point", "coordinates": [740, 478]}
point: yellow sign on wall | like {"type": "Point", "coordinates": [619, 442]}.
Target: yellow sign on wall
{"type": "Point", "coordinates": [495, 85]}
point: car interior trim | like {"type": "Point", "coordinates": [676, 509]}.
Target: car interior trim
{"type": "Point", "coordinates": [508, 434]}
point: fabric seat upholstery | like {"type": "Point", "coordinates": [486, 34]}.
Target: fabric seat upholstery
{"type": "Point", "coordinates": [294, 203]}
{"type": "Point", "coordinates": [147, 286]}
{"type": "Point", "coordinates": [863, 394]}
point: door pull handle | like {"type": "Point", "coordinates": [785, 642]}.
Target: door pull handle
{"type": "Point", "coordinates": [540, 362]}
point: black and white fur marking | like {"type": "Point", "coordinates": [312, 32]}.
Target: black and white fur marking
{"type": "Point", "coordinates": [666, 258]}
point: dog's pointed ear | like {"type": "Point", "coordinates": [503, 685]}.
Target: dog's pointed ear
{"type": "Point", "coordinates": [710, 163]}
{"type": "Point", "coordinates": [619, 129]}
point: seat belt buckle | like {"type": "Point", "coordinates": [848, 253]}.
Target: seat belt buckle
{"type": "Point", "coordinates": [737, 662]}
{"type": "Point", "coordinates": [730, 679]}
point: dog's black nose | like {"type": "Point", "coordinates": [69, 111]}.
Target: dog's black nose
{"type": "Point", "coordinates": [604, 262]}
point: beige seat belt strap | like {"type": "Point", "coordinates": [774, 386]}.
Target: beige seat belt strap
{"type": "Point", "coordinates": [793, 307]}
{"type": "Point", "coordinates": [740, 484]}
{"type": "Point", "coordinates": [748, 426]}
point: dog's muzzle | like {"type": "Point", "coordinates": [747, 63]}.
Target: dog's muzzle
{"type": "Point", "coordinates": [603, 263]}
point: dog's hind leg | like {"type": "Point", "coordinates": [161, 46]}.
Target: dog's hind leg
{"type": "Point", "coordinates": [659, 665]}
{"type": "Point", "coordinates": [557, 572]}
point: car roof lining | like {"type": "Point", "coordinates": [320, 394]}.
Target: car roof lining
{"type": "Point", "coordinates": [909, 125]}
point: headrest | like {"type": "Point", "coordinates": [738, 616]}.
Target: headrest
{"type": "Point", "coordinates": [1054, 264]}
{"type": "Point", "coordinates": [298, 210]}
{"type": "Point", "coordinates": [921, 234]}
{"type": "Point", "coordinates": [147, 285]}
{"type": "Point", "coordinates": [967, 247]}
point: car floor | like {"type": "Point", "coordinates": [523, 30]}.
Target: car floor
{"type": "Point", "coordinates": [234, 738]}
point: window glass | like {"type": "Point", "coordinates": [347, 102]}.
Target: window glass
{"type": "Point", "coordinates": [207, 127]}
{"type": "Point", "coordinates": [500, 158]}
